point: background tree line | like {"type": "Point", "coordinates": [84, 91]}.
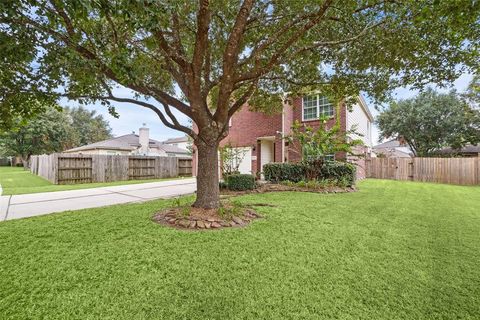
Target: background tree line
{"type": "Point", "coordinates": [432, 121]}
{"type": "Point", "coordinates": [55, 130]}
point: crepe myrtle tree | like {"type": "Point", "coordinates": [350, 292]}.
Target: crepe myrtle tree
{"type": "Point", "coordinates": [206, 59]}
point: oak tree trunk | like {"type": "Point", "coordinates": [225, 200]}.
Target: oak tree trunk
{"type": "Point", "coordinates": [208, 192]}
{"type": "Point", "coordinates": [25, 162]}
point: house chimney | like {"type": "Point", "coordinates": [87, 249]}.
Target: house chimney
{"type": "Point", "coordinates": [144, 139]}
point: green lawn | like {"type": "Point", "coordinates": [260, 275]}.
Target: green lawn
{"type": "Point", "coordinates": [393, 250]}
{"type": "Point", "coordinates": [18, 181]}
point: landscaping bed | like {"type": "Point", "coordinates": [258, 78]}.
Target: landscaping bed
{"type": "Point", "coordinates": [285, 187]}
{"type": "Point", "coordinates": [328, 177]}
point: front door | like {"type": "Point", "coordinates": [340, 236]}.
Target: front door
{"type": "Point", "coordinates": [266, 153]}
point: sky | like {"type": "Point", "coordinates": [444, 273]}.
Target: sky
{"type": "Point", "coordinates": [132, 117]}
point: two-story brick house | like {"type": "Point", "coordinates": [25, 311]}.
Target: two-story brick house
{"type": "Point", "coordinates": [261, 137]}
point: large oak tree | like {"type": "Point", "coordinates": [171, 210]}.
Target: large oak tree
{"type": "Point", "coordinates": [431, 121]}
{"type": "Point", "coordinates": [205, 59]}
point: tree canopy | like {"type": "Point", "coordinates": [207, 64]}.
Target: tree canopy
{"type": "Point", "coordinates": [87, 126]}
{"type": "Point", "coordinates": [205, 59]}
{"type": "Point", "coordinates": [473, 91]}
{"type": "Point", "coordinates": [46, 133]}
{"type": "Point", "coordinates": [232, 51]}
{"type": "Point", "coordinates": [431, 121]}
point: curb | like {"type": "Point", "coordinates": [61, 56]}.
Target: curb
{"type": "Point", "coordinates": [3, 212]}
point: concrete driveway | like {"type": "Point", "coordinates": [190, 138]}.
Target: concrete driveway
{"type": "Point", "coordinates": [36, 204]}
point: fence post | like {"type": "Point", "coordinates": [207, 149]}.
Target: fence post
{"type": "Point", "coordinates": [477, 164]}
{"type": "Point", "coordinates": [367, 162]}
{"type": "Point", "coordinates": [55, 168]}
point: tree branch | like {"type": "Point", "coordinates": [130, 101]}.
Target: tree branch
{"type": "Point", "coordinates": [169, 53]}
{"type": "Point", "coordinates": [242, 100]}
{"type": "Point", "coordinates": [338, 42]}
{"type": "Point", "coordinates": [256, 72]}
{"type": "Point", "coordinates": [176, 125]}
{"type": "Point", "coordinates": [109, 73]}
{"type": "Point", "coordinates": [230, 59]}
{"type": "Point", "coordinates": [176, 34]}
{"type": "Point", "coordinates": [201, 39]}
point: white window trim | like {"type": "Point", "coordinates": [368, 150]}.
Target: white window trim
{"type": "Point", "coordinates": [317, 109]}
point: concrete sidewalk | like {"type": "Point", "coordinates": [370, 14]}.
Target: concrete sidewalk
{"type": "Point", "coordinates": [36, 204]}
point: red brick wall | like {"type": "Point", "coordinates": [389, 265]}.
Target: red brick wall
{"type": "Point", "coordinates": [360, 163]}
{"type": "Point", "coordinates": [247, 126]}
{"type": "Point", "coordinates": [294, 155]}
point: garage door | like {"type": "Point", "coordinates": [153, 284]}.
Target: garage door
{"type": "Point", "coordinates": [246, 162]}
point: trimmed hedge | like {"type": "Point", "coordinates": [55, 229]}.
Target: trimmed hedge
{"type": "Point", "coordinates": [276, 172]}
{"type": "Point", "coordinates": [240, 182]}
{"type": "Point", "coordinates": [222, 185]}
{"type": "Point", "coordinates": [295, 172]}
{"type": "Point", "coordinates": [339, 171]}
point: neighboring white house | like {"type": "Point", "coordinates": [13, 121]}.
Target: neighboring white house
{"type": "Point", "coordinates": [360, 118]}
{"type": "Point", "coordinates": [180, 142]}
{"type": "Point", "coordinates": [132, 144]}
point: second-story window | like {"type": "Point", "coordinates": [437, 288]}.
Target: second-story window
{"type": "Point", "coordinates": [315, 106]}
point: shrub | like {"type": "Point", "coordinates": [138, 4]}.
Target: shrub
{"type": "Point", "coordinates": [240, 182]}
{"type": "Point", "coordinates": [222, 185]}
{"type": "Point", "coordinates": [301, 184]}
{"type": "Point", "coordinates": [276, 172]}
{"type": "Point", "coordinates": [340, 171]}
{"type": "Point", "coordinates": [295, 172]}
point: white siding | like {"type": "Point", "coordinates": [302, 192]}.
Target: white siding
{"type": "Point", "coordinates": [181, 145]}
{"type": "Point", "coordinates": [359, 118]}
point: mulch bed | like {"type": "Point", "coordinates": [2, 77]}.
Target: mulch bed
{"type": "Point", "coordinates": [274, 187]}
{"type": "Point", "coordinates": [203, 219]}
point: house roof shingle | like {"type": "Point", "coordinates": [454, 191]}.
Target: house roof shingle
{"type": "Point", "coordinates": [176, 140]}
{"type": "Point", "coordinates": [388, 144]}
{"type": "Point", "coordinates": [127, 142]}
{"type": "Point", "coordinates": [467, 149]}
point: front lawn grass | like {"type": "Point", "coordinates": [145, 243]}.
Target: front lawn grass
{"type": "Point", "coordinates": [15, 180]}
{"type": "Point", "coordinates": [393, 250]}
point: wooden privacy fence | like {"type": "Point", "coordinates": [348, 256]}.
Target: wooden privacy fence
{"type": "Point", "coordinates": [5, 162]}
{"type": "Point", "coordinates": [75, 168]}
{"type": "Point", "coordinates": [461, 171]}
